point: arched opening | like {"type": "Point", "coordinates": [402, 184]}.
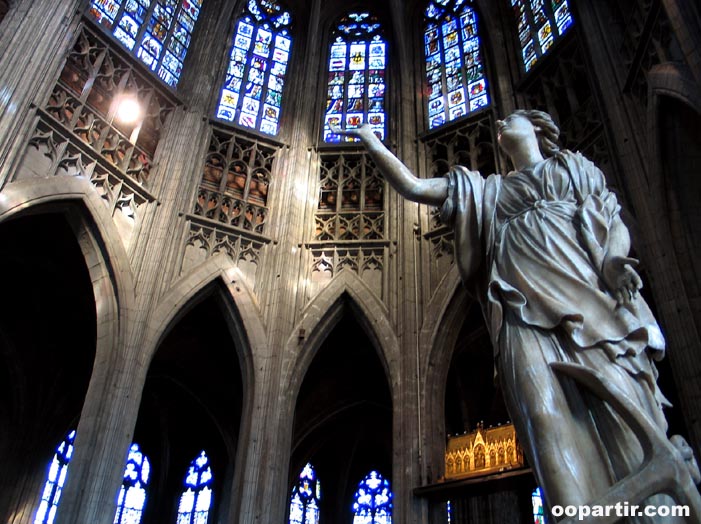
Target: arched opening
{"type": "Point", "coordinates": [680, 158]}
{"type": "Point", "coordinates": [47, 349]}
{"type": "Point", "coordinates": [484, 472]}
{"type": "Point", "coordinates": [192, 404]}
{"type": "Point", "coordinates": [343, 419]}
{"type": "Point", "coordinates": [472, 395]}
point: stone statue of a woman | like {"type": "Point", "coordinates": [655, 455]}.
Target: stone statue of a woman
{"type": "Point", "coordinates": [544, 250]}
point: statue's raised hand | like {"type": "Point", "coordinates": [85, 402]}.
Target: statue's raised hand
{"type": "Point", "coordinates": [620, 277]}
{"type": "Point", "coordinates": [363, 132]}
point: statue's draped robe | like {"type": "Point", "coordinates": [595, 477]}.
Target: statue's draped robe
{"type": "Point", "coordinates": [530, 247]}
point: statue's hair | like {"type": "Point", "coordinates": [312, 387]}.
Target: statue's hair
{"type": "Point", "coordinates": [548, 132]}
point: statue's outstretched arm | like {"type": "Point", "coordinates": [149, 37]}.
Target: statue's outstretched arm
{"type": "Point", "coordinates": [432, 191]}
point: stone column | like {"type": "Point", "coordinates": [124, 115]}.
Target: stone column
{"type": "Point", "coordinates": [264, 495]}
{"type": "Point", "coordinates": [35, 36]}
{"type": "Point", "coordinates": [405, 276]}
{"type": "Point", "coordinates": [111, 407]}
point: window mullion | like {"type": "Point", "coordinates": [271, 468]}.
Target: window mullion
{"type": "Point", "coordinates": [92, 76]}
{"type": "Point", "coordinates": [339, 199]}
{"type": "Point", "coordinates": [139, 38]}
{"type": "Point", "coordinates": [346, 87]}
{"type": "Point", "coordinates": [249, 172]}
{"type": "Point", "coordinates": [167, 38]}
{"type": "Point", "coordinates": [532, 30]}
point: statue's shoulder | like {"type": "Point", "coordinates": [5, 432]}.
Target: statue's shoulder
{"type": "Point", "coordinates": [573, 157]}
{"type": "Point", "coordinates": [474, 175]}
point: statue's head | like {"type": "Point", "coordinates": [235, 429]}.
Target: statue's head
{"type": "Point", "coordinates": [528, 128]}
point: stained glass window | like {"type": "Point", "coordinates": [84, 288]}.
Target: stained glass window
{"type": "Point", "coordinates": [540, 23]}
{"type": "Point", "coordinates": [304, 502]}
{"type": "Point", "coordinates": [252, 93]}
{"type": "Point", "coordinates": [457, 84]}
{"type": "Point", "coordinates": [538, 511]}
{"type": "Point", "coordinates": [196, 500]}
{"type": "Point", "coordinates": [156, 31]}
{"type": "Point", "coordinates": [132, 496]}
{"type": "Point", "coordinates": [356, 77]}
{"type": "Point", "coordinates": [54, 481]}
{"type": "Point", "coordinates": [373, 501]}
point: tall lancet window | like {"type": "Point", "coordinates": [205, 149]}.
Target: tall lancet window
{"type": "Point", "coordinates": [304, 502]}
{"type": "Point", "coordinates": [540, 23]}
{"type": "Point", "coordinates": [538, 510]}
{"type": "Point", "coordinates": [373, 501]}
{"type": "Point", "coordinates": [196, 500]}
{"type": "Point", "coordinates": [132, 496]}
{"type": "Point", "coordinates": [54, 481]}
{"type": "Point", "coordinates": [356, 77]}
{"type": "Point", "coordinates": [252, 92]}
{"type": "Point", "coordinates": [457, 84]}
{"type": "Point", "coordinates": [156, 31]}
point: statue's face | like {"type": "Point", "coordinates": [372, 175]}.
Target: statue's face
{"type": "Point", "coordinates": [515, 132]}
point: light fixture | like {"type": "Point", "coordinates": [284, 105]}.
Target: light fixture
{"type": "Point", "coordinates": [128, 109]}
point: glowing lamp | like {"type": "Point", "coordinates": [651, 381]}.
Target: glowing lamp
{"type": "Point", "coordinates": [128, 110]}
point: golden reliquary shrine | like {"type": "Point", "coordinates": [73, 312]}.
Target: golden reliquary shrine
{"type": "Point", "coordinates": [482, 452]}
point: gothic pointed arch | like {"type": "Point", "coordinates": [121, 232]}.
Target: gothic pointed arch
{"type": "Point", "coordinates": [217, 271]}
{"type": "Point", "coordinates": [438, 337]}
{"type": "Point", "coordinates": [323, 312]}
{"type": "Point", "coordinates": [66, 193]}
{"type": "Point", "coordinates": [95, 231]}
{"type": "Point", "coordinates": [344, 402]}
{"type": "Point", "coordinates": [58, 275]}
{"type": "Point", "coordinates": [113, 301]}
{"type": "Point", "coordinates": [674, 114]}
{"type": "Point", "coordinates": [198, 391]}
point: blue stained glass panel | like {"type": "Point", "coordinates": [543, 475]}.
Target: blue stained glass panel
{"type": "Point", "coordinates": [540, 23]}
{"type": "Point", "coordinates": [260, 54]}
{"type": "Point", "coordinates": [132, 495]}
{"type": "Point", "coordinates": [538, 511]}
{"type": "Point", "coordinates": [196, 500]}
{"type": "Point", "coordinates": [456, 80]}
{"type": "Point", "coordinates": [56, 477]}
{"type": "Point", "coordinates": [104, 11]}
{"type": "Point", "coordinates": [304, 501]}
{"type": "Point", "coordinates": [373, 501]}
{"type": "Point", "coordinates": [158, 32]}
{"type": "Point", "coordinates": [356, 79]}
